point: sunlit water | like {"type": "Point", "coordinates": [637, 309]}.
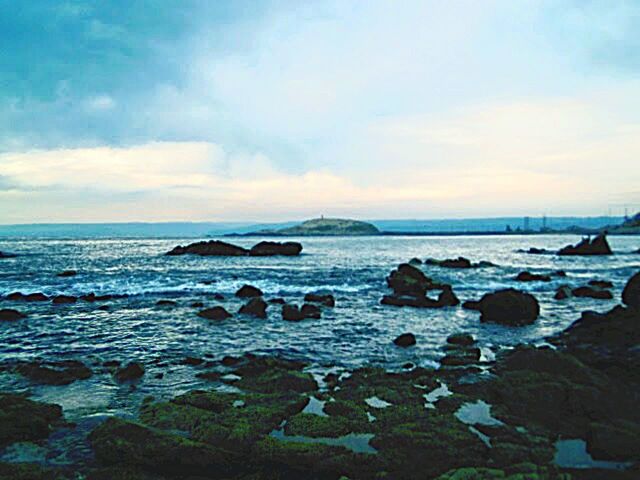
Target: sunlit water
{"type": "Point", "coordinates": [357, 331]}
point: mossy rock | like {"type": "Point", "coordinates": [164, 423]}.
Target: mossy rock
{"type": "Point", "coordinates": [519, 472]}
{"type": "Point", "coordinates": [277, 381]}
{"type": "Point", "coordinates": [311, 425]}
{"type": "Point", "coordinates": [27, 471]}
{"type": "Point", "coordinates": [121, 443]}
{"type": "Point", "coordinates": [22, 419]}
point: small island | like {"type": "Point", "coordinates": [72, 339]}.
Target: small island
{"type": "Point", "coordinates": [323, 227]}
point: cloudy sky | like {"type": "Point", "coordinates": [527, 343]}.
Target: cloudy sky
{"type": "Point", "coordinates": [271, 110]}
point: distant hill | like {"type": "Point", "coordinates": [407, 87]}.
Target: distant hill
{"type": "Point", "coordinates": [325, 227]}
{"type": "Point", "coordinates": [632, 225]}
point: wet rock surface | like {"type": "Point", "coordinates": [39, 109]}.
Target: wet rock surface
{"type": "Point", "coordinates": [410, 286]}
{"type": "Point", "coordinates": [507, 307]}
{"type": "Point", "coordinates": [11, 315]}
{"type": "Point", "coordinates": [587, 246]}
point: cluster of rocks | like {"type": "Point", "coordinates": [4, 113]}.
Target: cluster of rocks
{"type": "Point", "coordinates": [410, 286]}
{"type": "Point", "coordinates": [57, 299]}
{"type": "Point", "coordinates": [460, 262]}
{"type": "Point", "coordinates": [461, 350]}
{"type": "Point", "coordinates": [597, 289]}
{"type": "Point", "coordinates": [224, 249]}
{"type": "Point", "coordinates": [256, 306]}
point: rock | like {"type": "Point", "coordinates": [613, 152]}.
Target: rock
{"type": "Point", "coordinates": [459, 262]}
{"type": "Point", "coordinates": [54, 373]}
{"type": "Point", "coordinates": [10, 315]}
{"type": "Point", "coordinates": [64, 299]}
{"type": "Point", "coordinates": [67, 273]}
{"type": "Point", "coordinates": [292, 313]}
{"type": "Point", "coordinates": [197, 305]}
{"type": "Point", "coordinates": [92, 297]}
{"type": "Point", "coordinates": [415, 261]}
{"type": "Point", "coordinates": [32, 297]}
{"type": "Point", "coordinates": [218, 296]}
{"type": "Point", "coordinates": [6, 255]}
{"type": "Point", "coordinates": [408, 280]}
{"type": "Point", "coordinates": [192, 361]}
{"type": "Point", "coordinates": [248, 291]}
{"type": "Point", "coordinates": [631, 292]}
{"type": "Point", "coordinates": [597, 246]}
{"type": "Point", "coordinates": [560, 273]}
{"type": "Point", "coordinates": [214, 313]}
{"type": "Point", "coordinates": [405, 340]}
{"type": "Point", "coordinates": [461, 356]}
{"type": "Point", "coordinates": [123, 443]}
{"type": "Point", "coordinates": [310, 311]}
{"type": "Point", "coordinates": [463, 339]}
{"type": "Point", "coordinates": [256, 307]}
{"type": "Point", "coordinates": [563, 292]}
{"type": "Point", "coordinates": [591, 292]}
{"type": "Point", "coordinates": [277, 301]}
{"type": "Point", "coordinates": [210, 248]}
{"type": "Point", "coordinates": [326, 300]}
{"type": "Point", "coordinates": [166, 303]}
{"type": "Point", "coordinates": [130, 372]}
{"type": "Point", "coordinates": [446, 298]}
{"type": "Point", "coordinates": [268, 249]}
{"type": "Point", "coordinates": [23, 420]}
{"type": "Point", "coordinates": [507, 307]}
{"type": "Point", "coordinates": [537, 251]}
{"type": "Point", "coordinates": [532, 277]}
{"type": "Point", "coordinates": [601, 283]}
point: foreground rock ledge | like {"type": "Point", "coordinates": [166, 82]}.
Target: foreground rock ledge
{"type": "Point", "coordinates": [217, 248]}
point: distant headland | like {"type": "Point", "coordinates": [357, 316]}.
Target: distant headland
{"type": "Point", "coordinates": [327, 227]}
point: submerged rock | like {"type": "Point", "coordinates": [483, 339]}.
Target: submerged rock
{"type": "Point", "coordinates": [326, 300]}
{"type": "Point", "coordinates": [596, 246]}
{"type": "Point", "coordinates": [268, 249]}
{"type": "Point", "coordinates": [23, 420]}
{"type": "Point", "coordinates": [214, 313]}
{"type": "Point", "coordinates": [592, 292]}
{"type": "Point", "coordinates": [6, 255]}
{"type": "Point", "coordinates": [256, 307]}
{"type": "Point", "coordinates": [405, 340]}
{"type": "Point", "coordinates": [54, 373]}
{"type": "Point", "coordinates": [293, 313]}
{"type": "Point", "coordinates": [166, 303]}
{"type": "Point", "coordinates": [248, 291]}
{"type": "Point", "coordinates": [631, 292]}
{"type": "Point", "coordinates": [210, 248]}
{"type": "Point", "coordinates": [507, 307]}
{"type": "Point", "coordinates": [460, 262]}
{"type": "Point", "coordinates": [31, 297]}
{"type": "Point", "coordinates": [601, 284]}
{"type": "Point", "coordinates": [131, 371]}
{"type": "Point", "coordinates": [67, 273]}
{"type": "Point", "coordinates": [464, 339]}
{"type": "Point", "coordinates": [64, 299]}
{"type": "Point", "coordinates": [11, 315]}
{"type": "Point", "coordinates": [532, 277]}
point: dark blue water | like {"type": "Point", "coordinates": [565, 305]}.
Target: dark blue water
{"type": "Point", "coordinates": [357, 331]}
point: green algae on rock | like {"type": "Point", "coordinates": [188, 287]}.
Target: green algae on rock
{"type": "Point", "coordinates": [22, 419]}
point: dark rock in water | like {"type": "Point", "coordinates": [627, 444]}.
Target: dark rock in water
{"type": "Point", "coordinates": [64, 299]}
{"type": "Point", "coordinates": [536, 251]}
{"type": "Point", "coordinates": [92, 297]}
{"type": "Point", "coordinates": [23, 420]}
{"type": "Point", "coordinates": [277, 301]}
{"type": "Point", "coordinates": [597, 246]}
{"type": "Point", "coordinates": [67, 273]}
{"type": "Point", "coordinates": [256, 307]}
{"type": "Point", "coordinates": [104, 308]}
{"type": "Point", "coordinates": [166, 303]}
{"type": "Point", "coordinates": [248, 291]}
{"type": "Point", "coordinates": [54, 373]}
{"type": "Point", "coordinates": [408, 280]}
{"type": "Point", "coordinates": [131, 371]}
{"type": "Point", "coordinates": [32, 297]}
{"type": "Point", "coordinates": [268, 249]}
{"type": "Point", "coordinates": [218, 296]}
{"type": "Point", "coordinates": [310, 311]}
{"type": "Point", "coordinates": [415, 261]}
{"type": "Point", "coordinates": [591, 292]}
{"type": "Point", "coordinates": [446, 298]}
{"type": "Point", "coordinates": [210, 248]}
{"type": "Point", "coordinates": [405, 340]}
{"type": "Point", "coordinates": [464, 339]}
{"type": "Point", "coordinates": [214, 313]}
{"type": "Point", "coordinates": [601, 283]}
{"type": "Point", "coordinates": [459, 262]}
{"type": "Point", "coordinates": [10, 315]}
{"type": "Point", "coordinates": [631, 292]}
{"type": "Point", "coordinates": [563, 292]}
{"type": "Point", "coordinates": [532, 277]}
{"type": "Point", "coordinates": [560, 273]}
{"type": "Point", "coordinates": [507, 307]}
{"type": "Point", "coordinates": [197, 305]}
{"type": "Point", "coordinates": [6, 255]}
{"type": "Point", "coordinates": [326, 300]}
{"type": "Point", "coordinates": [229, 361]}
{"type": "Point", "coordinates": [292, 313]}
{"type": "Point", "coordinates": [192, 361]}
{"type": "Point", "coordinates": [122, 443]}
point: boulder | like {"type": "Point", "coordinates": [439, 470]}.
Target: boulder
{"type": "Point", "coordinates": [326, 300]}
{"type": "Point", "coordinates": [507, 307]}
{"type": "Point", "coordinates": [248, 291]}
{"type": "Point", "coordinates": [214, 313]}
{"type": "Point", "coordinates": [268, 249]}
{"type": "Point", "coordinates": [310, 311]}
{"type": "Point", "coordinates": [130, 372]}
{"type": "Point", "coordinates": [631, 292]}
{"type": "Point", "coordinates": [415, 261]}
{"type": "Point", "coordinates": [210, 248]}
{"type": "Point", "coordinates": [292, 313]}
{"type": "Point", "coordinates": [601, 283]}
{"type": "Point", "coordinates": [591, 292]}
{"type": "Point", "coordinates": [23, 420]}
{"type": "Point", "coordinates": [67, 273]}
{"type": "Point", "coordinates": [446, 298]}
{"type": "Point", "coordinates": [532, 277]}
{"type": "Point", "coordinates": [10, 315]}
{"type": "Point", "coordinates": [255, 307]}
{"type": "Point", "coordinates": [277, 301]}
{"type": "Point", "coordinates": [463, 339]}
{"type": "Point", "coordinates": [64, 299]}
{"type": "Point", "coordinates": [405, 340]}
{"type": "Point", "coordinates": [409, 280]}
{"type": "Point", "coordinates": [563, 292]}
{"type": "Point", "coordinates": [460, 262]}
{"type": "Point", "coordinates": [587, 246]}
{"type": "Point", "coordinates": [31, 297]}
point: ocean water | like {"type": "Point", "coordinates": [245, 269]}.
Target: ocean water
{"type": "Point", "coordinates": [358, 331]}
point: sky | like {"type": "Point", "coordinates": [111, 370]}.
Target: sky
{"type": "Point", "coordinates": [274, 110]}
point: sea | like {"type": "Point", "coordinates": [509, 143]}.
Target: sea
{"type": "Point", "coordinates": [358, 331]}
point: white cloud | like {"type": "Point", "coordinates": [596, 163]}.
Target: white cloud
{"type": "Point", "coordinates": [100, 103]}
